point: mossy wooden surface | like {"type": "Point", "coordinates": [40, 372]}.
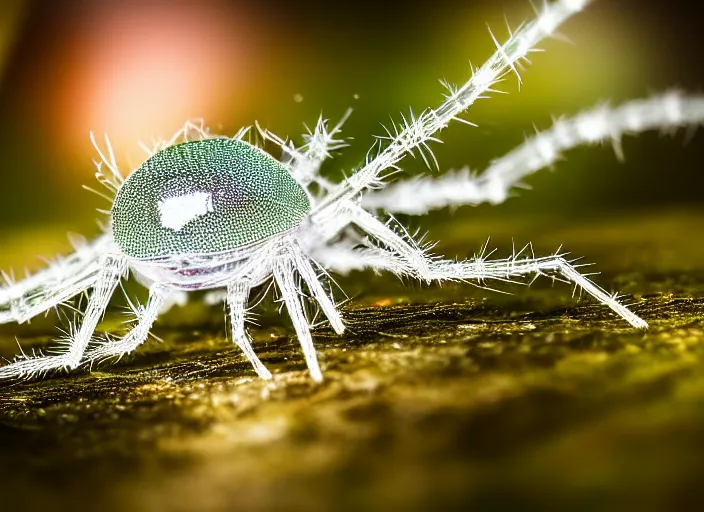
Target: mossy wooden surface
{"type": "Point", "coordinates": [437, 397]}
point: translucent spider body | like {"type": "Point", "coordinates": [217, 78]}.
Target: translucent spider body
{"type": "Point", "coordinates": [211, 212]}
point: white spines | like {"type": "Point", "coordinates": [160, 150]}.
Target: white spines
{"type": "Point", "coordinates": [666, 111]}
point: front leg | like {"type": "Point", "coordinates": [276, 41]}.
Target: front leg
{"type": "Point", "coordinates": [60, 281]}
{"type": "Point", "coordinates": [402, 257]}
{"type": "Point", "coordinates": [237, 297]}
{"type": "Point", "coordinates": [112, 270]}
{"type": "Point", "coordinates": [284, 269]}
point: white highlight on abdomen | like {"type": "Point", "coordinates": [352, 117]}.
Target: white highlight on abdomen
{"type": "Point", "coordinates": [176, 212]}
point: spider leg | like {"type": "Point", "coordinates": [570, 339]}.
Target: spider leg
{"type": "Point", "coordinates": [310, 277]}
{"type": "Point", "coordinates": [404, 246]}
{"type": "Point", "coordinates": [25, 299]}
{"type": "Point", "coordinates": [111, 271]}
{"type": "Point", "coordinates": [344, 258]}
{"type": "Point", "coordinates": [290, 260]}
{"type": "Point", "coordinates": [415, 133]}
{"type": "Point", "coordinates": [403, 258]}
{"type": "Point", "coordinates": [284, 276]}
{"type": "Point", "coordinates": [237, 297]}
{"type": "Point", "coordinates": [146, 315]}
{"type": "Point", "coordinates": [480, 269]}
{"type": "Point", "coordinates": [667, 111]}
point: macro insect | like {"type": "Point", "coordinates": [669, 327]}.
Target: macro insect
{"type": "Point", "coordinates": [209, 212]}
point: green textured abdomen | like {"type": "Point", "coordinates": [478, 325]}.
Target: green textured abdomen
{"type": "Point", "coordinates": [205, 197]}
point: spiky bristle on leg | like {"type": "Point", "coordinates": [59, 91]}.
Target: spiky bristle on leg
{"type": "Point", "coordinates": [237, 297]}
{"type": "Point", "coordinates": [290, 294]}
{"type": "Point", "coordinates": [418, 196]}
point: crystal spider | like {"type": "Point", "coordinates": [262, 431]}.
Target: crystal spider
{"type": "Point", "coordinates": [208, 212]}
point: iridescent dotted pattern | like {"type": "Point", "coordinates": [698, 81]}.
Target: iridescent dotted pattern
{"type": "Point", "coordinates": [204, 197]}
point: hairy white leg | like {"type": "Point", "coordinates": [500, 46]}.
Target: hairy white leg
{"type": "Point", "coordinates": [405, 247]}
{"type": "Point", "coordinates": [304, 162]}
{"type": "Point", "coordinates": [404, 258]}
{"type": "Point", "coordinates": [237, 298]}
{"type": "Point", "coordinates": [310, 276]}
{"type": "Point", "coordinates": [346, 259]}
{"type": "Point", "coordinates": [418, 196]}
{"type": "Point", "coordinates": [61, 280]}
{"type": "Point", "coordinates": [112, 270]}
{"type": "Point", "coordinates": [318, 146]}
{"type": "Point", "coordinates": [146, 315]}
{"type": "Point", "coordinates": [290, 293]}
{"type": "Point", "coordinates": [480, 269]}
{"type": "Point", "coordinates": [418, 131]}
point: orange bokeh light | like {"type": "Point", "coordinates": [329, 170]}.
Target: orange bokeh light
{"type": "Point", "coordinates": [138, 71]}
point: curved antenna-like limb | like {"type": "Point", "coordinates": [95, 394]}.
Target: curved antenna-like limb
{"type": "Point", "coordinates": [418, 131]}
{"type": "Point", "coordinates": [304, 162]}
{"type": "Point", "coordinates": [146, 315]}
{"type": "Point", "coordinates": [418, 196]}
{"type": "Point", "coordinates": [112, 270]}
{"type": "Point", "coordinates": [319, 144]}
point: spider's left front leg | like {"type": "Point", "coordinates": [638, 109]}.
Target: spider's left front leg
{"type": "Point", "coordinates": [237, 298]}
{"type": "Point", "coordinates": [112, 268]}
{"type": "Point", "coordinates": [292, 260]}
{"type": "Point", "coordinates": [404, 258]}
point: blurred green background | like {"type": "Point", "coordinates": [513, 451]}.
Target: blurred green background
{"type": "Point", "coordinates": [137, 69]}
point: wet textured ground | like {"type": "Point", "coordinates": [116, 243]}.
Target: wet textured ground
{"type": "Point", "coordinates": [436, 397]}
